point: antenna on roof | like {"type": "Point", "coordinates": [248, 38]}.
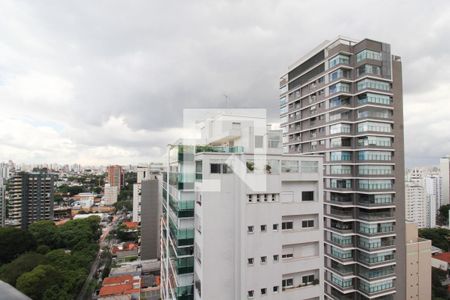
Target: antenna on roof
{"type": "Point", "coordinates": [226, 100]}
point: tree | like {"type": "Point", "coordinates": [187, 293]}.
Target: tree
{"type": "Point", "coordinates": [40, 279]}
{"type": "Point", "coordinates": [46, 233]}
{"type": "Point", "coordinates": [437, 277]}
{"type": "Point", "coordinates": [443, 214]}
{"type": "Point", "coordinates": [439, 237]}
{"type": "Point", "coordinates": [14, 242]}
{"type": "Point", "coordinates": [24, 263]}
{"type": "Point", "coordinates": [128, 205]}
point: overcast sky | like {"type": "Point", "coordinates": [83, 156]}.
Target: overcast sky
{"type": "Point", "coordinates": [98, 82]}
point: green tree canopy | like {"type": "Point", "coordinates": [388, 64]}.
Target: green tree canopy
{"type": "Point", "coordinates": [24, 263]}
{"type": "Point", "coordinates": [439, 237]}
{"type": "Point", "coordinates": [46, 233]}
{"type": "Point", "coordinates": [443, 214]}
{"type": "Point", "coordinates": [14, 242]}
{"type": "Point", "coordinates": [40, 279]}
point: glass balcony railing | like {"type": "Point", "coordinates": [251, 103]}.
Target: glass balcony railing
{"type": "Point", "coordinates": [185, 292]}
{"type": "Point", "coordinates": [235, 149]}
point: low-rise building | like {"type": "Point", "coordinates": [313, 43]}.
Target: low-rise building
{"type": "Point", "coordinates": [125, 287]}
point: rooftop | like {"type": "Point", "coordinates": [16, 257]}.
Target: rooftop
{"type": "Point", "coordinates": [445, 256]}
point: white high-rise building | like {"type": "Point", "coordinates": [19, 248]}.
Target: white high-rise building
{"type": "Point", "coordinates": [142, 173]}
{"type": "Point", "coordinates": [111, 194]}
{"type": "Point", "coordinates": [416, 206]}
{"type": "Point", "coordinates": [434, 197]}
{"type": "Point", "coordinates": [445, 177]}
{"type": "Point", "coordinates": [2, 204]}
{"type": "Point", "coordinates": [246, 221]}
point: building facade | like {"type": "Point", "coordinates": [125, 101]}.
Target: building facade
{"type": "Point", "coordinates": [116, 176]}
{"type": "Point", "coordinates": [150, 221]}
{"type": "Point", "coordinates": [416, 208]}
{"type": "Point", "coordinates": [245, 221]}
{"type": "Point", "coordinates": [110, 194]}
{"type": "Point", "coordinates": [2, 204]}
{"type": "Point", "coordinates": [30, 198]}
{"type": "Point", "coordinates": [445, 177]}
{"type": "Point", "coordinates": [434, 197]}
{"type": "Point", "coordinates": [418, 265]}
{"type": "Point", "coordinates": [344, 100]}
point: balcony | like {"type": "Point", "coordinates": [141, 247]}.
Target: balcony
{"type": "Point", "coordinates": [376, 229]}
{"type": "Point", "coordinates": [376, 259]}
{"type": "Point", "coordinates": [219, 149]}
{"type": "Point", "coordinates": [377, 244]}
{"type": "Point", "coordinates": [342, 214]}
{"type": "Point", "coordinates": [376, 215]}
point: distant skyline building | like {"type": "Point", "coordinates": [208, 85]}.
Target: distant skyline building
{"type": "Point", "coordinates": [30, 198]}
{"type": "Point", "coordinates": [433, 190]}
{"type": "Point", "coordinates": [344, 100]}
{"type": "Point", "coordinates": [116, 176]}
{"type": "Point", "coordinates": [240, 219]}
{"type": "Point", "coordinates": [2, 204]}
{"type": "Point", "coordinates": [150, 222]}
{"type": "Point", "coordinates": [445, 179]}
{"type": "Point", "coordinates": [416, 204]}
{"type": "Point", "coordinates": [110, 195]}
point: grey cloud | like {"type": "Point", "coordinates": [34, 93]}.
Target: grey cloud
{"type": "Point", "coordinates": [145, 61]}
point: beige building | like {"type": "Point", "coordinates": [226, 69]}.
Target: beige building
{"type": "Point", "coordinates": [418, 265]}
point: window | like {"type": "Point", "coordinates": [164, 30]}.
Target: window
{"type": "Point", "coordinates": [275, 227]}
{"type": "Point", "coordinates": [308, 279]}
{"type": "Point", "coordinates": [307, 223]}
{"type": "Point", "coordinates": [374, 155]}
{"type": "Point", "coordinates": [275, 258]}
{"type": "Point", "coordinates": [309, 166]}
{"type": "Point", "coordinates": [368, 54]}
{"type": "Point", "coordinates": [250, 198]}
{"type": "Point", "coordinates": [340, 155]}
{"type": "Point", "coordinates": [374, 98]}
{"type": "Point", "coordinates": [338, 59]}
{"type": "Point", "coordinates": [250, 229]}
{"type": "Point", "coordinates": [250, 294]}
{"type": "Point", "coordinates": [287, 225]}
{"type": "Point", "coordinates": [218, 168]}
{"type": "Point", "coordinates": [289, 166]}
{"type": "Point", "coordinates": [263, 228]}
{"type": "Point", "coordinates": [263, 291]}
{"type": "Point", "coordinates": [308, 196]}
{"type": "Point", "coordinates": [250, 261]}
{"type": "Point", "coordinates": [287, 282]}
{"type": "Point", "coordinates": [287, 255]}
{"type": "Point", "coordinates": [259, 141]}
{"type": "Point", "coordinates": [368, 69]}
{"type": "Point", "coordinates": [215, 168]}
{"type": "Point", "coordinates": [340, 128]}
{"type": "Point", "coordinates": [263, 259]}
{"type": "Point", "coordinates": [374, 126]}
{"type": "Point", "coordinates": [275, 289]}
{"type": "Point", "coordinates": [373, 84]}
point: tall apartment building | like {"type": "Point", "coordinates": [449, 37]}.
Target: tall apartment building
{"type": "Point", "coordinates": [2, 204]}
{"type": "Point", "coordinates": [150, 221]}
{"type": "Point", "coordinates": [416, 209]}
{"type": "Point", "coordinates": [445, 177]}
{"type": "Point", "coordinates": [30, 198]}
{"type": "Point", "coordinates": [116, 176]}
{"type": "Point", "coordinates": [240, 219]}
{"type": "Point", "coordinates": [142, 173]}
{"type": "Point", "coordinates": [434, 197]}
{"type": "Point", "coordinates": [344, 100]}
